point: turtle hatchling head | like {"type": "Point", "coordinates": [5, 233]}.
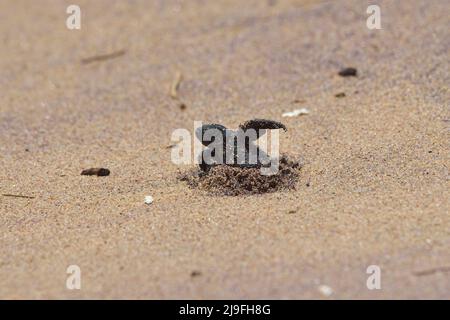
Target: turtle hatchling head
{"type": "Point", "coordinates": [206, 140]}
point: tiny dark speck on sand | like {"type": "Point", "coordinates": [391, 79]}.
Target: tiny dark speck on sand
{"type": "Point", "coordinates": [195, 274]}
{"type": "Point", "coordinates": [340, 95]}
{"type": "Point", "coordinates": [101, 172]}
{"type": "Point", "coordinates": [348, 72]}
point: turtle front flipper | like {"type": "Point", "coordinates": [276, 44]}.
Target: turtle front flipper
{"type": "Point", "coordinates": [261, 125]}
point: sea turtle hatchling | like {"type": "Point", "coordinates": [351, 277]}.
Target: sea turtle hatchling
{"type": "Point", "coordinates": [258, 125]}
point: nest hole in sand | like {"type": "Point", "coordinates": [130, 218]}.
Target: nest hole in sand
{"type": "Point", "coordinates": [235, 181]}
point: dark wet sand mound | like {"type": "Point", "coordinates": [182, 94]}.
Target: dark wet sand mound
{"type": "Point", "coordinates": [236, 181]}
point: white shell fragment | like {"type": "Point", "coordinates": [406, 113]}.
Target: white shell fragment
{"type": "Point", "coordinates": [296, 113]}
{"type": "Point", "coordinates": [325, 290]}
{"type": "Point", "coordinates": [148, 200]}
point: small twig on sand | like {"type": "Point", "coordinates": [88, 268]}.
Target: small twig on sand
{"type": "Point", "coordinates": [175, 85]}
{"type": "Point", "coordinates": [103, 57]}
{"type": "Point", "coordinates": [17, 196]}
{"type": "Point", "coordinates": [431, 271]}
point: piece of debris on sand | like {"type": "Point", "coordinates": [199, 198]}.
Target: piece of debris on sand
{"type": "Point", "coordinates": [100, 172]}
{"type": "Point", "coordinates": [340, 95]}
{"type": "Point", "coordinates": [195, 273]}
{"type": "Point", "coordinates": [224, 180]}
{"type": "Point", "coordinates": [103, 57]}
{"type": "Point", "coordinates": [17, 196]}
{"type": "Point", "coordinates": [431, 271]}
{"type": "Point", "coordinates": [170, 146]}
{"type": "Point", "coordinates": [296, 113]}
{"type": "Point", "coordinates": [325, 290]}
{"type": "Point", "coordinates": [348, 72]}
{"type": "Point", "coordinates": [175, 85]}
{"type": "Point", "coordinates": [148, 199]}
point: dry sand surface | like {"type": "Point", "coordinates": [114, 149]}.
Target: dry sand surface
{"type": "Point", "coordinates": [374, 188]}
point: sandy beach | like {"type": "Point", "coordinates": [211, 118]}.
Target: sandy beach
{"type": "Point", "coordinates": [374, 187]}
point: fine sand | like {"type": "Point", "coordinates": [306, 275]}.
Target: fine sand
{"type": "Point", "coordinates": [374, 188]}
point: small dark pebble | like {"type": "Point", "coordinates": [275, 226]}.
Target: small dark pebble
{"type": "Point", "coordinates": [348, 72]}
{"type": "Point", "coordinates": [101, 172]}
{"type": "Point", "coordinates": [340, 95]}
{"type": "Point", "coordinates": [183, 106]}
{"type": "Point", "coordinates": [195, 273]}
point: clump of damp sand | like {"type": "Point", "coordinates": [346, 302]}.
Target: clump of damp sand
{"type": "Point", "coordinates": [226, 180]}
